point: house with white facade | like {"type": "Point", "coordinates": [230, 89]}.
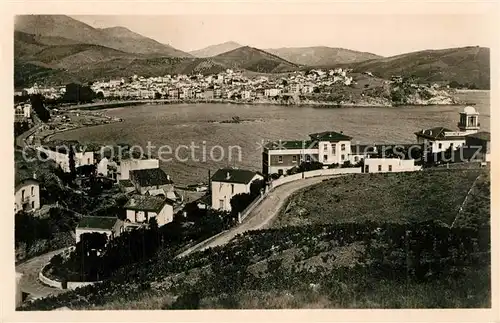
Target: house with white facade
{"type": "Point", "coordinates": [228, 182]}
{"type": "Point", "coordinates": [387, 165]}
{"type": "Point", "coordinates": [440, 139]}
{"type": "Point", "coordinates": [112, 227]}
{"type": "Point", "coordinates": [152, 180]}
{"type": "Point", "coordinates": [327, 147]}
{"type": "Point", "coordinates": [60, 154]}
{"type": "Point", "coordinates": [26, 194]}
{"type": "Point", "coordinates": [141, 208]}
{"type": "Point", "coordinates": [127, 165]}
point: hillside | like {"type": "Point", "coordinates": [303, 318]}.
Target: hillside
{"type": "Point", "coordinates": [466, 65]}
{"type": "Point", "coordinates": [321, 55]}
{"type": "Point", "coordinates": [370, 262]}
{"type": "Point", "coordinates": [255, 60]}
{"type": "Point", "coordinates": [118, 38]}
{"type": "Point", "coordinates": [215, 50]}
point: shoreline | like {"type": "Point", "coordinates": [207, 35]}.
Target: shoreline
{"type": "Point", "coordinates": [314, 104]}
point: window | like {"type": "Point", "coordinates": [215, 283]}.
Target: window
{"type": "Point", "coordinates": [32, 190]}
{"type": "Point", "coordinates": [88, 161]}
{"type": "Point", "coordinates": [33, 205]}
{"type": "Point", "coordinates": [22, 194]}
{"type": "Point", "coordinates": [356, 158]}
{"type": "Point", "coordinates": [379, 168]}
{"type": "Point", "coordinates": [440, 146]}
{"type": "Point", "coordinates": [367, 168]}
{"type": "Point", "coordinates": [232, 189]}
{"type": "Point", "coordinates": [342, 147]}
{"type": "Point", "coordinates": [334, 147]}
{"type": "Point", "coordinates": [280, 159]}
{"type": "Point", "coordinates": [325, 157]}
{"type": "Point", "coordinates": [325, 146]}
{"type": "Point", "coordinates": [342, 157]}
{"type": "Point", "coordinates": [390, 168]}
{"type": "Point", "coordinates": [221, 204]}
{"type": "Point", "coordinates": [294, 158]}
{"type": "Point", "coordinates": [308, 158]}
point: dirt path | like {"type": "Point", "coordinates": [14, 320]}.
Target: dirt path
{"type": "Point", "coordinates": [261, 216]}
{"type": "Point", "coordinates": [30, 270]}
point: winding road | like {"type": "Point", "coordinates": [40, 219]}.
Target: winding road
{"type": "Point", "coordinates": [29, 282]}
{"type": "Point", "coordinates": [261, 216]}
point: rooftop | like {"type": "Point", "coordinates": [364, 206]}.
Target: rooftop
{"type": "Point", "coordinates": [233, 175]}
{"type": "Point", "coordinates": [329, 136]}
{"type": "Point", "coordinates": [437, 133]}
{"type": "Point", "coordinates": [97, 222]}
{"type": "Point", "coordinates": [150, 177]}
{"type": "Point", "coordinates": [147, 203]}
{"type": "Point", "coordinates": [291, 144]}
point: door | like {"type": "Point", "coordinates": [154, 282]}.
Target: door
{"type": "Point", "coordinates": [221, 204]}
{"type": "Point", "coordinates": [367, 168]}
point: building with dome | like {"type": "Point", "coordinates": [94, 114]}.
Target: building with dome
{"type": "Point", "coordinates": [439, 139]}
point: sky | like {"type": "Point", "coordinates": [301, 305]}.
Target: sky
{"type": "Point", "coordinates": [385, 35]}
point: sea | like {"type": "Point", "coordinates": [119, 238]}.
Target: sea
{"type": "Point", "coordinates": [193, 140]}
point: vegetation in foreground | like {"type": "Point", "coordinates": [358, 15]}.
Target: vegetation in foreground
{"type": "Point", "coordinates": [363, 264]}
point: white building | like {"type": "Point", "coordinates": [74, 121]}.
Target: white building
{"type": "Point", "coordinates": [27, 194]}
{"type": "Point", "coordinates": [141, 208]}
{"type": "Point", "coordinates": [61, 156]}
{"type": "Point", "coordinates": [227, 182]}
{"type": "Point", "coordinates": [387, 165]}
{"type": "Point", "coordinates": [272, 92]}
{"type": "Point", "coordinates": [327, 147]}
{"type": "Point", "coordinates": [126, 165]}
{"type": "Point", "coordinates": [440, 139]}
{"type": "Point", "coordinates": [110, 226]}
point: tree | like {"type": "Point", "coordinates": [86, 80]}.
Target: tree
{"type": "Point", "coordinates": [72, 164]}
{"type": "Point", "coordinates": [256, 187]}
{"type": "Point", "coordinates": [239, 202]}
{"type": "Point", "coordinates": [77, 93]}
{"type": "Point", "coordinates": [37, 104]}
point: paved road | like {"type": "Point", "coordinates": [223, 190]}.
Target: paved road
{"type": "Point", "coordinates": [30, 270]}
{"type": "Point", "coordinates": [261, 215]}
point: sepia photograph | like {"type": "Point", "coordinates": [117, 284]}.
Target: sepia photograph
{"type": "Point", "coordinates": [252, 161]}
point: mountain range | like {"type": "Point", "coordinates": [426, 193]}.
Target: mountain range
{"type": "Point", "coordinates": [60, 49]}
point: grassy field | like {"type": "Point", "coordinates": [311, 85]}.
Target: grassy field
{"type": "Point", "coordinates": [389, 197]}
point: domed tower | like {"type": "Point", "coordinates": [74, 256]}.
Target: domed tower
{"type": "Point", "coordinates": [469, 120]}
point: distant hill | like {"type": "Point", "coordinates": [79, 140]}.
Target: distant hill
{"type": "Point", "coordinates": [215, 50]}
{"type": "Point", "coordinates": [465, 65]}
{"type": "Point", "coordinates": [321, 55]}
{"type": "Point", "coordinates": [255, 60]}
{"type": "Point", "coordinates": [118, 38]}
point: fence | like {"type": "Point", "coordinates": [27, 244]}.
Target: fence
{"type": "Point", "coordinates": [292, 178]}
{"type": "Point", "coordinates": [315, 173]}
{"type": "Point", "coordinates": [58, 284]}
{"type": "Point", "coordinates": [249, 208]}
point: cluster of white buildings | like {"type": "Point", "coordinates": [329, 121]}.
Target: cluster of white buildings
{"type": "Point", "coordinates": [225, 85]}
{"type": "Point", "coordinates": [48, 92]}
{"type": "Point", "coordinates": [150, 189]}
{"type": "Point", "coordinates": [330, 147]}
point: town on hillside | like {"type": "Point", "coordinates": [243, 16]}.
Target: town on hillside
{"type": "Point", "coordinates": [370, 186]}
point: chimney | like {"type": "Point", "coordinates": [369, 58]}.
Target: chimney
{"type": "Point", "coordinates": [132, 202]}
{"type": "Point", "coordinates": [168, 177]}
{"type": "Point", "coordinates": [34, 175]}
{"type": "Point", "coordinates": [228, 176]}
